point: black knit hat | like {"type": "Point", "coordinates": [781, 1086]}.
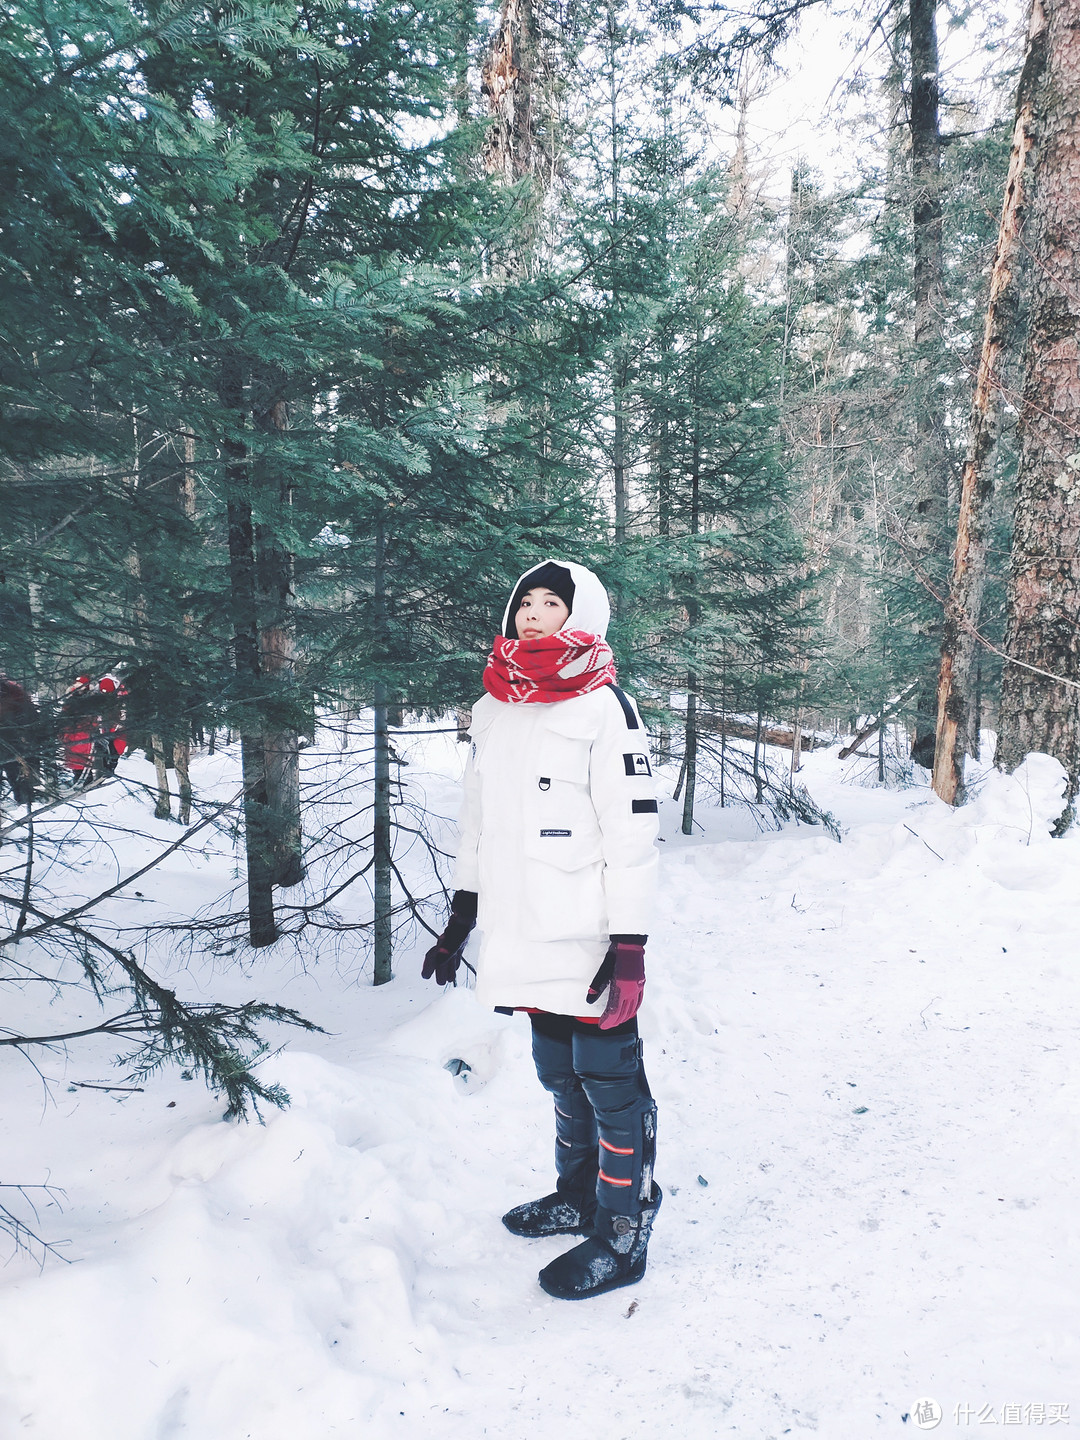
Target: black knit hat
{"type": "Point", "coordinates": [549, 576]}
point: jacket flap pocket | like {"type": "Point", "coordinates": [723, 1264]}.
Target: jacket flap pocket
{"type": "Point", "coordinates": [575, 725]}
{"type": "Point", "coordinates": [561, 757]}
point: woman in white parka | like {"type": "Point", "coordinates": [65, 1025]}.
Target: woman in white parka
{"type": "Point", "coordinates": [557, 867]}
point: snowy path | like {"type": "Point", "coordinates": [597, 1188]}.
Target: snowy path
{"type": "Point", "coordinates": [868, 1052]}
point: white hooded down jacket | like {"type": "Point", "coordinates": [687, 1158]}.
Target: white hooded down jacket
{"type": "Point", "coordinates": [557, 834]}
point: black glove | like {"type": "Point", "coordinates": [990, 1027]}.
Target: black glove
{"type": "Point", "coordinates": [444, 957]}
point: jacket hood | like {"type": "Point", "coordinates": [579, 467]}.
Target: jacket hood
{"type": "Point", "coordinates": [591, 610]}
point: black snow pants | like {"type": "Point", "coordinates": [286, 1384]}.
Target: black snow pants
{"type": "Point", "coordinates": [605, 1116]}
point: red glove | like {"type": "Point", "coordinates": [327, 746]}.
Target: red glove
{"type": "Point", "coordinates": [444, 957]}
{"type": "Point", "coordinates": [623, 972]}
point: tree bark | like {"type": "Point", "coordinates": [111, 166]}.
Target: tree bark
{"type": "Point", "coordinates": [759, 789]}
{"type": "Point", "coordinates": [466, 29]}
{"type": "Point", "coordinates": [181, 760]}
{"type": "Point", "coordinates": [927, 517]}
{"type": "Point", "coordinates": [381, 844]}
{"type": "Point", "coordinates": [957, 724]}
{"type": "Point", "coordinates": [381, 840]}
{"type": "Point", "coordinates": [618, 451]}
{"type": "Point", "coordinates": [796, 750]}
{"type": "Point", "coordinates": [163, 804]}
{"type": "Point", "coordinates": [693, 618]}
{"type": "Point", "coordinates": [277, 654]}
{"type": "Point", "coordinates": [690, 755]}
{"type": "Point", "coordinates": [182, 740]}
{"type": "Point", "coordinates": [262, 925]}
{"type": "Point", "coordinates": [1037, 712]}
{"type": "Point", "coordinates": [508, 79]}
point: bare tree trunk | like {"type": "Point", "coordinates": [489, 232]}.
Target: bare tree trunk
{"type": "Point", "coordinates": [181, 759]}
{"type": "Point", "coordinates": [620, 369]}
{"type": "Point", "coordinates": [957, 726]}
{"type": "Point", "coordinates": [796, 750]}
{"type": "Point", "coordinates": [262, 926]}
{"type": "Point", "coordinates": [928, 514]}
{"type": "Point", "coordinates": [381, 840]}
{"type": "Point", "coordinates": [466, 29]}
{"type": "Point", "coordinates": [618, 451]}
{"type": "Point", "coordinates": [277, 656]}
{"type": "Point", "coordinates": [690, 754]}
{"type": "Point", "coordinates": [382, 837]}
{"type": "Point", "coordinates": [141, 626]}
{"type": "Point", "coordinates": [182, 741]}
{"type": "Point", "coordinates": [163, 804]}
{"type": "Point", "coordinates": [37, 620]}
{"type": "Point", "coordinates": [759, 790]}
{"type": "Point", "coordinates": [28, 872]}
{"type": "Point", "coordinates": [723, 733]}
{"type": "Point", "coordinates": [693, 618]}
{"type": "Point", "coordinates": [1037, 712]}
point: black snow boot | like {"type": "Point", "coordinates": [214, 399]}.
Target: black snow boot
{"type": "Point", "coordinates": [612, 1256]}
{"type": "Point", "coordinates": [553, 1215]}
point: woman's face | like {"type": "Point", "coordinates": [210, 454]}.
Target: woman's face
{"type": "Point", "coordinates": [540, 613]}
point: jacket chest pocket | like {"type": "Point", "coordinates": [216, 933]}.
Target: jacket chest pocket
{"type": "Point", "coordinates": [561, 828]}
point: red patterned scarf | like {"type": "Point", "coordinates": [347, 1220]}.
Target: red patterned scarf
{"type": "Point", "coordinates": [555, 667]}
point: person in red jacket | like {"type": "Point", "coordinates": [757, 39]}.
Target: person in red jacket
{"type": "Point", "coordinates": [113, 737]}
{"type": "Point", "coordinates": [77, 725]}
{"type": "Point", "coordinates": [92, 726]}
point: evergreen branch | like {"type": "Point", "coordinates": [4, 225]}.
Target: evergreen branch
{"type": "Point", "coordinates": [208, 1038]}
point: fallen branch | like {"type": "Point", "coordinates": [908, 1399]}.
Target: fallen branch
{"type": "Point", "coordinates": [873, 728]}
{"type": "Point", "coordinates": [21, 1233]}
{"type": "Point", "coordinates": [770, 735]}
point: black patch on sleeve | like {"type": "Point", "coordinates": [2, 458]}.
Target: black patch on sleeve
{"type": "Point", "coordinates": [636, 763]}
{"type": "Point", "coordinates": [565, 834]}
{"type": "Point", "coordinates": [644, 807]}
{"type": "Point", "coordinates": [627, 708]}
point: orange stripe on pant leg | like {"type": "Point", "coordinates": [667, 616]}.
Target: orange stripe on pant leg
{"type": "Point", "coordinates": [612, 1181]}
{"type": "Point", "coordinates": [615, 1150]}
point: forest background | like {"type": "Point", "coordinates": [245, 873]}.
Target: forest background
{"type": "Point", "coordinates": [322, 322]}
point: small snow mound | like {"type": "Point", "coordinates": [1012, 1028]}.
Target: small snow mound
{"type": "Point", "coordinates": [1025, 804]}
{"type": "Point", "coordinates": [454, 1027]}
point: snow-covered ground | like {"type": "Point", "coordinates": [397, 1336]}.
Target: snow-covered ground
{"type": "Point", "coordinates": [866, 1060]}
